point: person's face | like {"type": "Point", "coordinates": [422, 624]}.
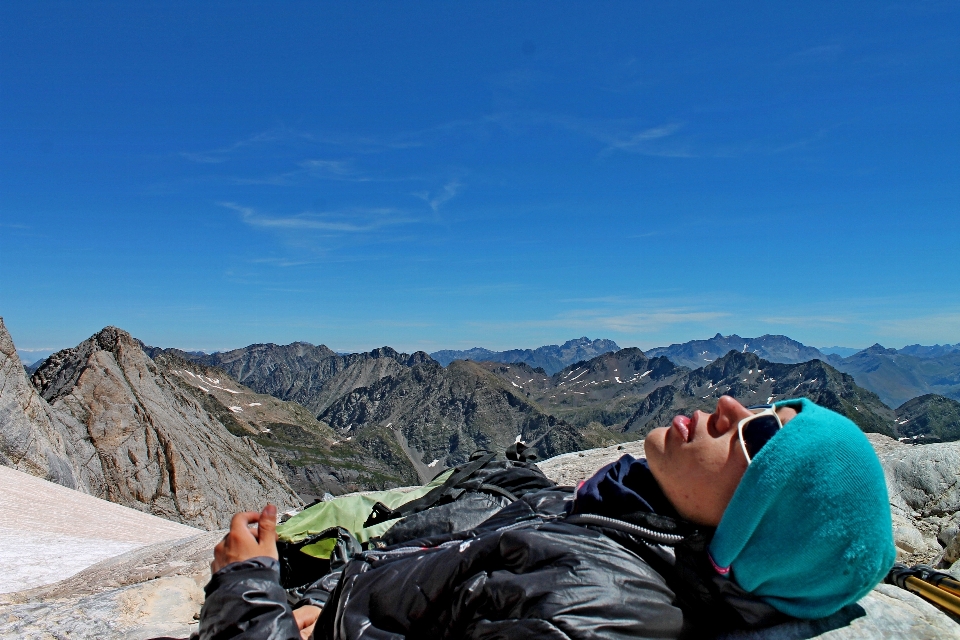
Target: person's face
{"type": "Point", "coordinates": [698, 460]}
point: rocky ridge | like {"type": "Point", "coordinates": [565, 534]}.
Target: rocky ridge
{"type": "Point", "coordinates": [752, 380]}
{"type": "Point", "coordinates": [604, 390]}
{"type": "Point", "coordinates": [441, 415]}
{"type": "Point", "coordinates": [697, 353]}
{"type": "Point", "coordinates": [929, 418]}
{"type": "Point", "coordinates": [312, 376]}
{"type": "Point", "coordinates": [551, 358]}
{"type": "Point", "coordinates": [313, 457]}
{"type": "Point", "coordinates": [897, 376]}
{"type": "Point", "coordinates": [103, 418]}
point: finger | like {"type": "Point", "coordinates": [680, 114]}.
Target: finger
{"type": "Point", "coordinates": [267, 531]}
{"type": "Point", "coordinates": [267, 523]}
{"type": "Point", "coordinates": [306, 615]}
{"type": "Point", "coordinates": [240, 521]}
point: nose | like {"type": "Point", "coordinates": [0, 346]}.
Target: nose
{"type": "Point", "coordinates": [727, 415]}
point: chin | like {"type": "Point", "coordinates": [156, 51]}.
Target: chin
{"type": "Point", "coordinates": [655, 445]}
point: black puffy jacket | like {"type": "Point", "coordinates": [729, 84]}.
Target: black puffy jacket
{"type": "Point", "coordinates": [532, 570]}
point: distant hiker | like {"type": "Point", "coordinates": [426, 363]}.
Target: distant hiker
{"type": "Point", "coordinates": [739, 518]}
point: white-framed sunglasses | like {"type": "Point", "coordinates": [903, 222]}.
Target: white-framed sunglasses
{"type": "Point", "coordinates": [756, 430]}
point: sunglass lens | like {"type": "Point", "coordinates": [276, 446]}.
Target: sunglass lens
{"type": "Point", "coordinates": [757, 432]}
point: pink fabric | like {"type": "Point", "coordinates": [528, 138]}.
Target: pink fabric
{"type": "Point", "coordinates": [721, 570]}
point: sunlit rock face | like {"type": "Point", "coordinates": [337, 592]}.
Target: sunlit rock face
{"type": "Point", "coordinates": [102, 417]}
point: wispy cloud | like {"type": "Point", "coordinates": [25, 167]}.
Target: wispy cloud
{"type": "Point", "coordinates": [353, 221]}
{"type": "Point", "coordinates": [224, 153]}
{"type": "Point", "coordinates": [810, 320]}
{"type": "Point", "coordinates": [643, 321]}
{"type": "Point", "coordinates": [640, 141]}
{"type": "Point", "coordinates": [438, 198]}
{"type": "Point", "coordinates": [649, 320]}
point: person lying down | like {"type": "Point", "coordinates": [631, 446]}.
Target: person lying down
{"type": "Point", "coordinates": [744, 517]}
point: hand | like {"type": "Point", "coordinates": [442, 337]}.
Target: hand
{"type": "Point", "coordinates": [306, 617]}
{"type": "Point", "coordinates": [242, 543]}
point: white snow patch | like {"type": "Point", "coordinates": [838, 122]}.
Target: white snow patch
{"type": "Point", "coordinates": [204, 388]}
{"type": "Point", "coordinates": [254, 404]}
{"type": "Point", "coordinates": [578, 375]}
{"type": "Point", "coordinates": [236, 409]}
{"type": "Point", "coordinates": [434, 463]}
{"type": "Point", "coordinates": [518, 438]}
{"type": "Point", "coordinates": [617, 378]}
{"type": "Point", "coordinates": [646, 373]}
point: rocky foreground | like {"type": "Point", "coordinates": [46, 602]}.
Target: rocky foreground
{"type": "Point", "coordinates": [156, 590]}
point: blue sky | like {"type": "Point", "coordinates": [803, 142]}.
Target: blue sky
{"type": "Point", "coordinates": [446, 175]}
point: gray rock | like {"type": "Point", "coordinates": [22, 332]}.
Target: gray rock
{"type": "Point", "coordinates": [110, 422]}
{"type": "Point", "coordinates": [887, 612]}
{"type": "Point", "coordinates": [569, 469]}
{"type": "Point", "coordinates": [32, 437]}
{"type": "Point", "coordinates": [924, 486]}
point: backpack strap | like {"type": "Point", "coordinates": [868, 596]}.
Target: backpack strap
{"type": "Point", "coordinates": [382, 513]}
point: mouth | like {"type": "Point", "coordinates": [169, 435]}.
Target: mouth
{"type": "Point", "coordinates": [681, 424]}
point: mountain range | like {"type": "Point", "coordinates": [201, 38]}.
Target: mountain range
{"type": "Point", "coordinates": [551, 358]}
{"type": "Point", "coordinates": [895, 375]}
{"type": "Point", "coordinates": [698, 353]}
{"type": "Point", "coordinates": [194, 436]}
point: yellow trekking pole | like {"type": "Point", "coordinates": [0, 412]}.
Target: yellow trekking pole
{"type": "Point", "coordinates": [935, 586]}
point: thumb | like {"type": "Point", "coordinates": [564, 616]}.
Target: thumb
{"type": "Point", "coordinates": [267, 529]}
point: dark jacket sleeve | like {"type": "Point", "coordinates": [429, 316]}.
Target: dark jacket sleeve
{"type": "Point", "coordinates": [245, 601]}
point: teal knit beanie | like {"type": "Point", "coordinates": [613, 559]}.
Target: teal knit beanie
{"type": "Point", "coordinates": [808, 529]}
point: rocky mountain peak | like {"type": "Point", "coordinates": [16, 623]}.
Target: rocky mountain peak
{"type": "Point", "coordinates": [879, 349]}
{"type": "Point", "coordinates": [108, 421]}
{"type": "Point", "coordinates": [417, 357]}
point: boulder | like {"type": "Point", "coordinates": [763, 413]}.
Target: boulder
{"type": "Point", "coordinates": [924, 486]}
